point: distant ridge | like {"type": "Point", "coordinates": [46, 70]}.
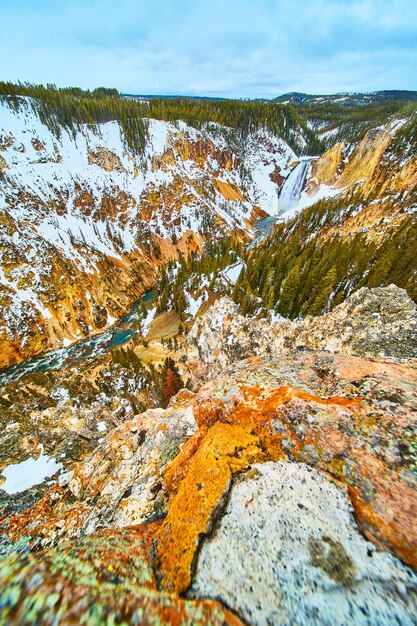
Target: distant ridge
{"type": "Point", "coordinates": [349, 98]}
{"type": "Point", "coordinates": [151, 97]}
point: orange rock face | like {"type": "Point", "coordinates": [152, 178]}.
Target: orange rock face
{"type": "Point", "coordinates": [228, 191]}
{"type": "Point", "coordinates": [200, 476]}
{"type": "Point", "coordinates": [222, 451]}
{"type": "Point", "coordinates": [325, 169]}
{"type": "Point", "coordinates": [361, 438]}
{"type": "Point", "coordinates": [384, 175]}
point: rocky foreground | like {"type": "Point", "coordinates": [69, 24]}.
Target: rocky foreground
{"type": "Point", "coordinates": [282, 490]}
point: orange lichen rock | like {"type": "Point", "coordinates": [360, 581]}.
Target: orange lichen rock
{"type": "Point", "coordinates": [255, 407]}
{"type": "Point", "coordinates": [361, 433]}
{"type": "Point", "coordinates": [176, 471]}
{"type": "Point", "coordinates": [199, 478]}
{"type": "Point", "coordinates": [224, 451]}
{"type": "Point", "coordinates": [105, 578]}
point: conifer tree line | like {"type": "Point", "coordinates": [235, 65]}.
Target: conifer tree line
{"type": "Point", "coordinates": [352, 122]}
{"type": "Point", "coordinates": [69, 107]}
{"type": "Point", "coordinates": [187, 274]}
{"type": "Point", "coordinates": [297, 270]}
{"type": "Point", "coordinates": [298, 273]}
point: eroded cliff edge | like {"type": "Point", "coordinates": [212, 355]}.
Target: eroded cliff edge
{"type": "Point", "coordinates": [282, 486]}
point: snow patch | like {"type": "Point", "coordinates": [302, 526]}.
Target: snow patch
{"type": "Point", "coordinates": [28, 473]}
{"type": "Point", "coordinates": [232, 272]}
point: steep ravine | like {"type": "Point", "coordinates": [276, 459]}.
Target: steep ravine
{"type": "Point", "coordinates": [219, 438]}
{"type": "Point", "coordinates": [86, 223]}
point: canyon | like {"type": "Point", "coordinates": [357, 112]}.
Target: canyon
{"type": "Point", "coordinates": [87, 223]}
{"type": "Point", "coordinates": [207, 374]}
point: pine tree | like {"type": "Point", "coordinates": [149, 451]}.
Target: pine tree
{"type": "Point", "coordinates": [321, 301]}
{"type": "Point", "coordinates": [289, 292]}
{"type": "Point", "coordinates": [171, 381]}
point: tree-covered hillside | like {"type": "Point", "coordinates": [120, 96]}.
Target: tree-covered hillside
{"type": "Point", "coordinates": [334, 121]}
{"type": "Point", "coordinates": [302, 268]}
{"type": "Point", "coordinates": [300, 121]}
{"type": "Point", "coordinates": [299, 271]}
{"type": "Point", "coordinates": [69, 107]}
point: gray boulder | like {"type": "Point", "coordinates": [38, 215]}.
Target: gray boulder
{"type": "Point", "coordinates": [288, 551]}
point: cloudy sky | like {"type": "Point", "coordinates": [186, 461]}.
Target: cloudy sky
{"type": "Point", "coordinates": [235, 48]}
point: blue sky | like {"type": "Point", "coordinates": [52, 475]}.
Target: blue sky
{"type": "Point", "coordinates": [232, 48]}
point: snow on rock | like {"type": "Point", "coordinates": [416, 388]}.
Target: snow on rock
{"type": "Point", "coordinates": [134, 490]}
{"type": "Point", "coordinates": [193, 304]}
{"type": "Point", "coordinates": [146, 322]}
{"type": "Point", "coordinates": [232, 272]}
{"type": "Point", "coordinates": [266, 155]}
{"type": "Point", "coordinates": [29, 473]}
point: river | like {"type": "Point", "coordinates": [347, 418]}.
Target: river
{"type": "Point", "coordinates": [122, 330]}
{"type": "Point", "coordinates": [117, 335]}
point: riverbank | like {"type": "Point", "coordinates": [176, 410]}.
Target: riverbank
{"type": "Point", "coordinates": [115, 336]}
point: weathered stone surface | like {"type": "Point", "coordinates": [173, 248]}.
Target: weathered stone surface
{"type": "Point", "coordinates": [346, 417]}
{"type": "Point", "coordinates": [102, 579]}
{"type": "Point", "coordinates": [222, 335]}
{"type": "Point", "coordinates": [287, 551]}
{"type": "Point", "coordinates": [351, 417]}
{"type": "Point", "coordinates": [379, 322]}
{"type": "Point", "coordinates": [120, 484]}
{"type": "Point", "coordinates": [67, 431]}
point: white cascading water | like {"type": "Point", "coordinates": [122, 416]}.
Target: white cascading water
{"type": "Point", "coordinates": [293, 186]}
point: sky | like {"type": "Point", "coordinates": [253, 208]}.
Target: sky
{"type": "Point", "coordinates": [227, 48]}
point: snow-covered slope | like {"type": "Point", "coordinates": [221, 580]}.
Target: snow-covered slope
{"type": "Point", "coordinates": [85, 222]}
{"type": "Point", "coordinates": [379, 172]}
